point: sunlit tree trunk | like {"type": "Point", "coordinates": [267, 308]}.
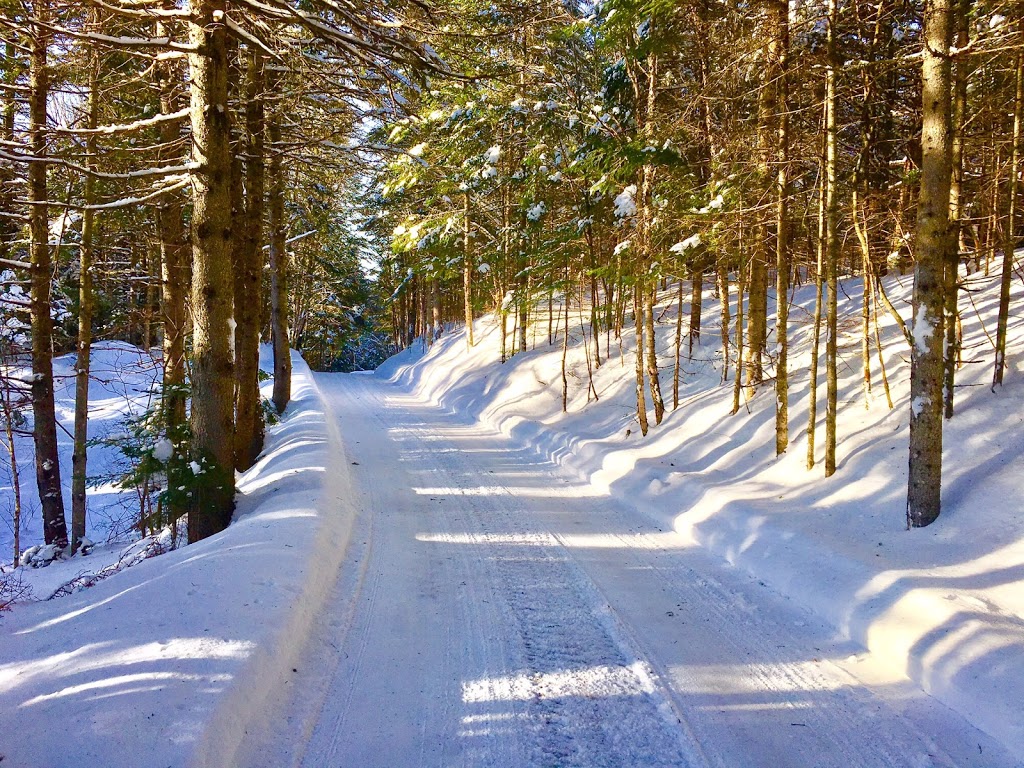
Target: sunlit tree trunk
{"type": "Point", "coordinates": [723, 294]}
{"type": "Point", "coordinates": [831, 245]}
{"type": "Point", "coordinates": [932, 254]}
{"type": "Point", "coordinates": [638, 326]}
{"type": "Point", "coordinates": [780, 11]}
{"type": "Point", "coordinates": [812, 395]}
{"type": "Point", "coordinates": [956, 206]}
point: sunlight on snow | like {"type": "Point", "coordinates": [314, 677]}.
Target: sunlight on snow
{"type": "Point", "coordinates": [75, 614]}
{"type": "Point", "coordinates": [118, 680]}
{"type": "Point", "coordinates": [98, 656]}
{"type": "Point", "coordinates": [589, 682]}
{"type": "Point", "coordinates": [753, 678]}
{"type": "Point", "coordinates": [564, 491]}
{"type": "Point", "coordinates": [652, 541]}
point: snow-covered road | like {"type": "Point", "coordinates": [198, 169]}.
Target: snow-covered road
{"type": "Point", "coordinates": [495, 611]}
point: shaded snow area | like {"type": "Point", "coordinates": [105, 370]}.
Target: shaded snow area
{"type": "Point", "coordinates": [434, 566]}
{"type": "Point", "coordinates": [164, 663]}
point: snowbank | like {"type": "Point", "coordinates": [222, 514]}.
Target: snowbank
{"type": "Point", "coordinates": [174, 658]}
{"type": "Point", "coordinates": [943, 605]}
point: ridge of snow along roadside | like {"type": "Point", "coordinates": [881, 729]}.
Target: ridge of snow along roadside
{"type": "Point", "coordinates": [176, 657]}
{"type": "Point", "coordinates": [941, 606]}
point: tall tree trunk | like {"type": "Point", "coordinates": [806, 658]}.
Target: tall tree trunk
{"type": "Point", "coordinates": [278, 255]}
{"type": "Point", "coordinates": [467, 272]}
{"type": "Point", "coordinates": [648, 282]}
{"type": "Point", "coordinates": [638, 326]}
{"type": "Point", "coordinates": [652, 354]}
{"type": "Point", "coordinates": [757, 305]}
{"type": "Point", "coordinates": [956, 206]}
{"type": "Point", "coordinates": [175, 278]}
{"type": "Point", "coordinates": [678, 345]}
{"type": "Point", "coordinates": [812, 395]}
{"type": "Point", "coordinates": [44, 429]}
{"type": "Point", "coordinates": [831, 244]}
{"type": "Point", "coordinates": [780, 9]}
{"type": "Point", "coordinates": [85, 313]}
{"type": "Point", "coordinates": [933, 246]}
{"type": "Point", "coordinates": [737, 384]}
{"type": "Point", "coordinates": [723, 294]}
{"type": "Point", "coordinates": [1010, 233]}
{"type": "Point", "coordinates": [248, 285]}
{"type": "Point", "coordinates": [212, 361]}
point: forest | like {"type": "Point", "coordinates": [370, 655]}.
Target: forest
{"type": "Point", "coordinates": [352, 179]}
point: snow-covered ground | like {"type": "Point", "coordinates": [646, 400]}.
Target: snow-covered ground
{"type": "Point", "coordinates": [166, 662]}
{"type": "Point", "coordinates": [433, 565]}
{"type": "Point", "coordinates": [943, 605]}
{"type": "Point", "coordinates": [500, 610]}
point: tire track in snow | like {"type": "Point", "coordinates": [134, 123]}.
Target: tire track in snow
{"type": "Point", "coordinates": [771, 672]}
{"type": "Point", "coordinates": [592, 698]}
{"type": "Point", "coordinates": [904, 746]}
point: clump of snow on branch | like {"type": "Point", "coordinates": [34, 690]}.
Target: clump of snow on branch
{"type": "Point", "coordinates": [625, 205]}
{"type": "Point", "coordinates": [684, 245]}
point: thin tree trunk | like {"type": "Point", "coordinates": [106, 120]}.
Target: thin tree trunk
{"type": "Point", "coordinates": [723, 293]}
{"type": "Point", "coordinates": [638, 325]}
{"type": "Point", "coordinates": [595, 323]}
{"type": "Point", "coordinates": [279, 268]}
{"type": "Point", "coordinates": [956, 208]}
{"type": "Point", "coordinates": [8, 410]}
{"type": "Point", "coordinates": [678, 346]}
{"type": "Point", "coordinates": [812, 396]}
{"type": "Point", "coordinates": [990, 252]}
{"type": "Point", "coordinates": [1009, 234]}
{"type": "Point", "coordinates": [878, 346]}
{"type": "Point", "coordinates": [212, 361]}
{"type": "Point", "coordinates": [654, 379]}
{"type": "Point", "coordinates": [565, 339]}
{"type": "Point", "coordinates": [175, 278]}
{"type": "Point", "coordinates": [832, 244]}
{"type": "Point", "coordinates": [738, 381]}
{"type": "Point", "coordinates": [782, 245]}
{"type": "Point", "coordinates": [43, 411]}
{"type": "Point", "coordinates": [696, 307]}
{"type": "Point", "coordinates": [933, 245]}
{"type": "Point", "coordinates": [865, 252]}
{"type": "Point", "coordinates": [467, 273]}
{"type": "Point", "coordinates": [85, 313]}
